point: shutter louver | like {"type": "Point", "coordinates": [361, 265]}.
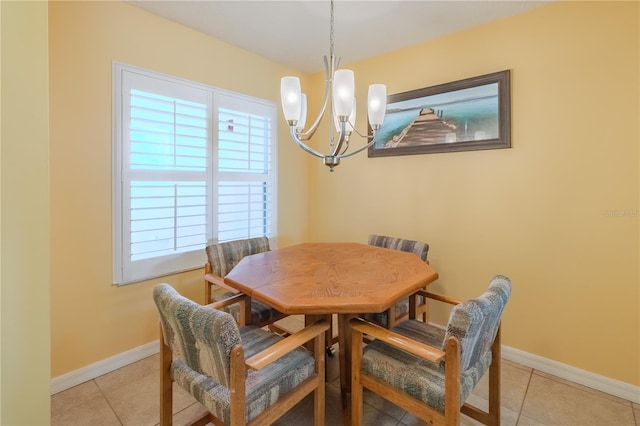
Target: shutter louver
{"type": "Point", "coordinates": [244, 161]}
{"type": "Point", "coordinates": [243, 210]}
{"type": "Point", "coordinates": [167, 217]}
{"type": "Point", "coordinates": [168, 163]}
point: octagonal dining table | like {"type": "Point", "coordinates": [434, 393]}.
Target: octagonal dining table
{"type": "Point", "coordinates": [319, 279]}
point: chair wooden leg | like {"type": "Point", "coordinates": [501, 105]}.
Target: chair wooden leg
{"type": "Point", "coordinates": [207, 285]}
{"type": "Point", "coordinates": [356, 386]}
{"type": "Point", "coordinates": [413, 307]}
{"type": "Point", "coordinates": [237, 377]}
{"type": "Point", "coordinates": [166, 384]}
{"type": "Point", "coordinates": [494, 382]}
{"type": "Point", "coordinates": [391, 317]}
{"type": "Point", "coordinates": [319, 393]}
{"type": "Point", "coordinates": [452, 382]}
{"type": "Point", "coordinates": [425, 309]}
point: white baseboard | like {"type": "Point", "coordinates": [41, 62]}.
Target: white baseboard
{"type": "Point", "coordinates": [105, 366]}
{"type": "Point", "coordinates": [563, 371]}
{"type": "Point", "coordinates": [573, 374]}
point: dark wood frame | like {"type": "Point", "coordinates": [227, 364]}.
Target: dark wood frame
{"type": "Point", "coordinates": [502, 78]}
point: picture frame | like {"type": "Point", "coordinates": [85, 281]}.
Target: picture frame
{"type": "Point", "coordinates": [464, 115]}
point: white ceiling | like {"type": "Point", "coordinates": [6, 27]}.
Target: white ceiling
{"type": "Point", "coordinates": [296, 33]}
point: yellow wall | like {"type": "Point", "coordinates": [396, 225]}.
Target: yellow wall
{"type": "Point", "coordinates": [537, 212]}
{"type": "Point", "coordinates": [92, 319]}
{"type": "Point", "coordinates": [24, 201]}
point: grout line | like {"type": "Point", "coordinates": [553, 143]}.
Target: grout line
{"type": "Point", "coordinates": [524, 398]}
{"type": "Point", "coordinates": [583, 388]}
{"type": "Point", "coordinates": [115, 413]}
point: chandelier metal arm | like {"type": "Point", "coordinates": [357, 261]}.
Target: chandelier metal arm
{"type": "Point", "coordinates": [311, 131]}
{"type": "Point", "coordinates": [362, 148]}
{"type": "Point", "coordinates": [342, 137]}
{"type": "Point", "coordinates": [302, 145]}
{"type": "Point", "coordinates": [355, 129]}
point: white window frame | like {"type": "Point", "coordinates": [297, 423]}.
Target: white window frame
{"type": "Point", "coordinates": [125, 271]}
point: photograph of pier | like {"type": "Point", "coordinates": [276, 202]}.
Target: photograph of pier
{"type": "Point", "coordinates": [470, 114]}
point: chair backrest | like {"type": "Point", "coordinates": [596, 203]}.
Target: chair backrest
{"type": "Point", "coordinates": [475, 322]}
{"type": "Point", "coordinates": [418, 248]}
{"type": "Point", "coordinates": [201, 337]}
{"type": "Point", "coordinates": [223, 257]}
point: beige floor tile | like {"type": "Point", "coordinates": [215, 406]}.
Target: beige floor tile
{"type": "Point", "coordinates": [302, 413]}
{"type": "Point", "coordinates": [526, 421]}
{"type": "Point", "coordinates": [374, 417]}
{"type": "Point", "coordinates": [82, 405]}
{"type": "Point", "coordinates": [552, 402]}
{"type": "Point", "coordinates": [381, 404]}
{"type": "Point", "coordinates": [189, 414]}
{"type": "Point", "coordinates": [133, 393]}
{"type": "Point", "coordinates": [410, 420]}
{"type": "Point", "coordinates": [516, 365]}
{"type": "Point", "coordinates": [513, 385]}
{"type": "Point", "coordinates": [583, 388]}
{"type": "Point", "coordinates": [508, 417]}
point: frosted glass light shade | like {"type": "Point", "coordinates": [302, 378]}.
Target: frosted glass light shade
{"type": "Point", "coordinates": [291, 97]}
{"type": "Point", "coordinates": [377, 101]}
{"type": "Point", "coordinates": [351, 120]}
{"type": "Point", "coordinates": [352, 117]}
{"type": "Point", "coordinates": [343, 91]}
{"type": "Point", "coordinates": [302, 121]}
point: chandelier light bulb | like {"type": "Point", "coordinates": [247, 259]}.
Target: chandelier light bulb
{"type": "Point", "coordinates": [343, 91]}
{"type": "Point", "coordinates": [290, 96]}
{"type": "Point", "coordinates": [377, 103]}
{"type": "Point", "coordinates": [302, 121]}
{"type": "Point", "coordinates": [350, 121]}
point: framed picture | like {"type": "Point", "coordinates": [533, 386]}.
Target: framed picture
{"type": "Point", "coordinates": [465, 115]}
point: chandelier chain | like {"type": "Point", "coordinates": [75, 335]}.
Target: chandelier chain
{"type": "Point", "coordinates": [331, 33]}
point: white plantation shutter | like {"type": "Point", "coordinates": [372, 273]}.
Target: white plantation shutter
{"type": "Point", "coordinates": [186, 173]}
{"type": "Point", "coordinates": [244, 180]}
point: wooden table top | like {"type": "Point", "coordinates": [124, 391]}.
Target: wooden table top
{"type": "Point", "coordinates": [325, 278]}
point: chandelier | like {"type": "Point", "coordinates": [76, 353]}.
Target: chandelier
{"type": "Point", "coordinates": [340, 88]}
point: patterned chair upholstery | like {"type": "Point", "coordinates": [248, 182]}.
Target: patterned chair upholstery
{"type": "Point", "coordinates": [400, 311]}
{"type": "Point", "coordinates": [222, 258]}
{"type": "Point", "coordinates": [234, 372]}
{"type": "Point", "coordinates": [429, 371]}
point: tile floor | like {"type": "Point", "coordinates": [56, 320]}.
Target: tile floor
{"type": "Point", "coordinates": [129, 396]}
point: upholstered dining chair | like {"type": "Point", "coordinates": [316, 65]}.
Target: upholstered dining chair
{"type": "Point", "coordinates": [429, 371]}
{"type": "Point", "coordinates": [241, 375]}
{"type": "Point", "coordinates": [400, 311]}
{"type": "Point", "coordinates": [222, 258]}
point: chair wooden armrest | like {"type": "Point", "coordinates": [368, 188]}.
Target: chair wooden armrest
{"type": "Point", "coordinates": [440, 297]}
{"type": "Point", "coordinates": [283, 347]}
{"type": "Point", "coordinates": [210, 280]}
{"type": "Point", "coordinates": [214, 279]}
{"type": "Point", "coordinates": [406, 344]}
{"type": "Point", "coordinates": [223, 303]}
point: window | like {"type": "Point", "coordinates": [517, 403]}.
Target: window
{"type": "Point", "coordinates": [192, 165]}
